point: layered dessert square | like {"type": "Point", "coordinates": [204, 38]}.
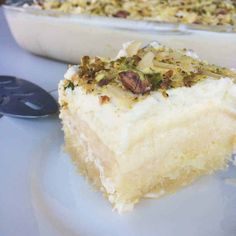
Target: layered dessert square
{"type": "Point", "coordinates": [148, 122]}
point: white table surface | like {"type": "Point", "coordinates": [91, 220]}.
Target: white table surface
{"type": "Point", "coordinates": [46, 73]}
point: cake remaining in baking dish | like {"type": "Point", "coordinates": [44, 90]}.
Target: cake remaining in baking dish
{"type": "Point", "coordinates": [210, 12]}
{"type": "Point", "coordinates": [148, 122]}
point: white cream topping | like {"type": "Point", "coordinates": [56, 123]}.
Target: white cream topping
{"type": "Point", "coordinates": [155, 195]}
{"type": "Point", "coordinates": [109, 118]}
{"type": "Point", "coordinates": [191, 53]}
{"type": "Point", "coordinates": [71, 71]}
{"type": "Point", "coordinates": [129, 49]}
{"type": "Point", "coordinates": [155, 44]}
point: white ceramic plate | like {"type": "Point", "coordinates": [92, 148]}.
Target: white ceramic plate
{"type": "Point", "coordinates": [42, 194]}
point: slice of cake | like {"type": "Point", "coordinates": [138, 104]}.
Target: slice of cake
{"type": "Point", "coordinates": [148, 122]}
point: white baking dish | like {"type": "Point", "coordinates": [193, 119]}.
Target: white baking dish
{"type": "Point", "coordinates": [67, 37]}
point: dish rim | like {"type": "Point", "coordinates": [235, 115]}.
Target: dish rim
{"type": "Point", "coordinates": [118, 23]}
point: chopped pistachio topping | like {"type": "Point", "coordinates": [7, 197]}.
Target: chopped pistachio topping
{"type": "Point", "coordinates": [206, 12]}
{"type": "Point", "coordinates": [149, 69]}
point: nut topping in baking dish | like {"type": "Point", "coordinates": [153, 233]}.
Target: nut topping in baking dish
{"type": "Point", "coordinates": [205, 12]}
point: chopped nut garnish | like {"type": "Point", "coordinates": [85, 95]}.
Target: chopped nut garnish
{"type": "Point", "coordinates": [69, 84]}
{"type": "Point", "coordinates": [205, 12]}
{"type": "Point", "coordinates": [104, 82]}
{"type": "Point", "coordinates": [104, 99]}
{"type": "Point", "coordinates": [165, 84]}
{"type": "Point", "coordinates": [75, 79]}
{"type": "Point", "coordinates": [144, 70]}
{"type": "Point", "coordinates": [222, 11]}
{"type": "Point", "coordinates": [131, 81]}
{"type": "Point", "coordinates": [121, 14]}
{"type": "Point", "coordinates": [165, 94]}
{"type": "Point", "coordinates": [168, 74]}
{"type": "Point", "coordinates": [85, 60]}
